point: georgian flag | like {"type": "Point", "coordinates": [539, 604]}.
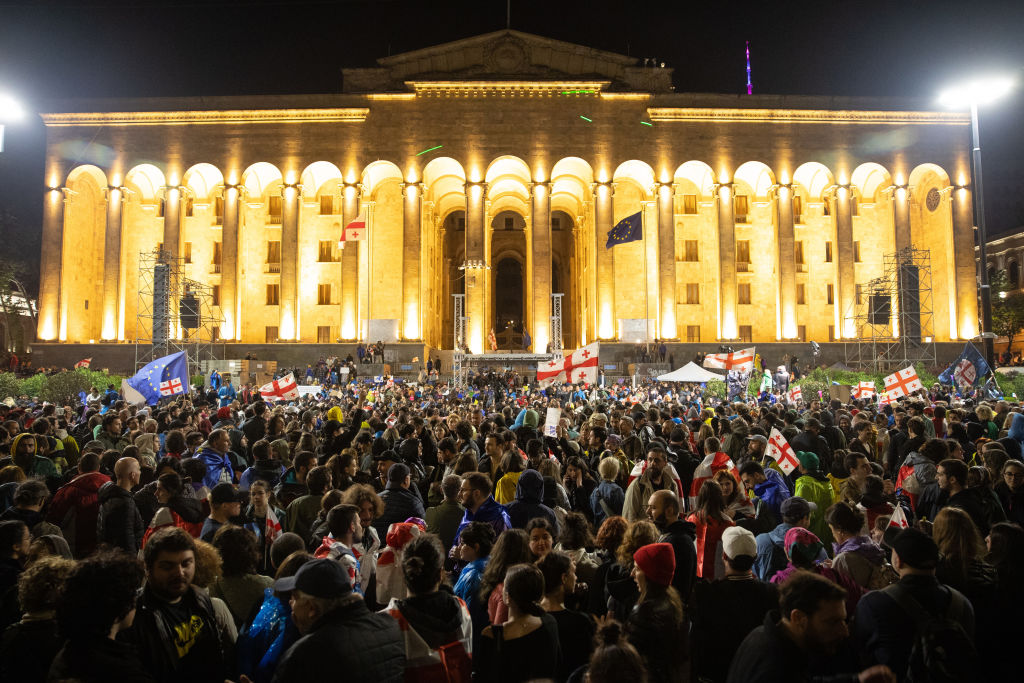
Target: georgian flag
{"type": "Point", "coordinates": [84, 363]}
{"type": "Point", "coordinates": [284, 389]}
{"type": "Point", "coordinates": [355, 231]}
{"type": "Point", "coordinates": [273, 525]}
{"type": "Point", "coordinates": [742, 360]}
{"type": "Point", "coordinates": [864, 390]}
{"type": "Point", "coordinates": [712, 465]}
{"type": "Point", "coordinates": [781, 452]}
{"type": "Point", "coordinates": [903, 383]}
{"type": "Point", "coordinates": [578, 367]}
{"type": "Point", "coordinates": [794, 395]}
{"type": "Point", "coordinates": [885, 398]}
{"type": "Point", "coordinates": [899, 518]}
{"type": "Point", "coordinates": [171, 387]}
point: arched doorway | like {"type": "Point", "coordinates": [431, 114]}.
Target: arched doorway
{"type": "Point", "coordinates": [509, 299]}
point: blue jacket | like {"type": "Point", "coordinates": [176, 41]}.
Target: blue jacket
{"type": "Point", "coordinates": [612, 494]}
{"type": "Point", "coordinates": [215, 464]}
{"type": "Point", "coordinates": [773, 491]}
{"type": "Point", "coordinates": [491, 512]}
{"type": "Point", "coordinates": [227, 395]}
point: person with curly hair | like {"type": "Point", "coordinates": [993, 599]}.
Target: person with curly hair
{"type": "Point", "coordinates": [29, 646]}
{"type": "Point", "coordinates": [575, 629]}
{"type": "Point", "coordinates": [98, 602]}
{"type": "Point", "coordinates": [620, 588]}
{"type": "Point", "coordinates": [512, 547]}
{"type": "Point", "coordinates": [370, 505]}
{"type": "Point", "coordinates": [240, 586]}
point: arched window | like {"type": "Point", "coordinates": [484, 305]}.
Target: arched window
{"type": "Point", "coordinates": [1013, 275]}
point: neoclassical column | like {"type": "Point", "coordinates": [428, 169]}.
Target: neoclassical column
{"type": "Point", "coordinates": [846, 287]}
{"type": "Point", "coordinates": [112, 263]}
{"type": "Point", "coordinates": [727, 323]}
{"type": "Point", "coordinates": [965, 264]}
{"type": "Point", "coordinates": [476, 266]}
{"type": "Point", "coordinates": [787, 260]}
{"type": "Point", "coordinates": [51, 264]}
{"type": "Point", "coordinates": [230, 302]}
{"type": "Point", "coordinates": [666, 262]}
{"type": "Point", "coordinates": [288, 328]}
{"type": "Point", "coordinates": [350, 265]}
{"type": "Point", "coordinates": [604, 262]}
{"type": "Point", "coordinates": [411, 259]}
{"type": "Point", "coordinates": [901, 218]}
{"type": "Point", "coordinates": [540, 215]}
{"type": "Point", "coordinates": [172, 219]}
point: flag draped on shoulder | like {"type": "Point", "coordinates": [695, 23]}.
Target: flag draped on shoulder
{"type": "Point", "coordinates": [903, 383]}
{"type": "Point", "coordinates": [780, 451]}
{"type": "Point", "coordinates": [742, 360]}
{"type": "Point", "coordinates": [284, 389]}
{"type": "Point", "coordinates": [629, 229]}
{"type": "Point", "coordinates": [579, 366]}
{"type": "Point", "coordinates": [967, 370]}
{"type": "Point", "coordinates": [161, 378]}
{"type": "Point", "coordinates": [711, 465]}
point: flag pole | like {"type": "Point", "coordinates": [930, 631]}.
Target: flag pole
{"type": "Point", "coordinates": [647, 302]}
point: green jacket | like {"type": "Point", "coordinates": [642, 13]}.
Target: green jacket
{"type": "Point", "coordinates": [814, 487]}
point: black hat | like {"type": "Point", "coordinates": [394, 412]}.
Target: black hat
{"type": "Point", "coordinates": [915, 549]}
{"type": "Point", "coordinates": [386, 455]}
{"type": "Point", "coordinates": [398, 472]}
{"type": "Point", "coordinates": [224, 493]}
{"type": "Point", "coordinates": [323, 578]}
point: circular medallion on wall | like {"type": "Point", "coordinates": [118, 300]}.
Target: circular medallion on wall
{"type": "Point", "coordinates": [506, 56]}
{"type": "Point", "coordinates": [932, 199]}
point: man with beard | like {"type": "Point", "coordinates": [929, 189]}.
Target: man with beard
{"type": "Point", "coordinates": [663, 510]}
{"type": "Point", "coordinates": [175, 630]}
{"type": "Point", "coordinates": [653, 478]}
{"type": "Point", "coordinates": [811, 622]}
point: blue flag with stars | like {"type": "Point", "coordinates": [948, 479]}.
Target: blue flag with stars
{"type": "Point", "coordinates": [629, 229]}
{"type": "Point", "coordinates": [163, 378]}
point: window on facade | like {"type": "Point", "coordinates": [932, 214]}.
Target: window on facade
{"type": "Point", "coordinates": [854, 208]}
{"type": "Point", "coordinates": [273, 251]}
{"type": "Point", "coordinates": [691, 251]}
{"type": "Point", "coordinates": [159, 247]}
{"type": "Point", "coordinates": [829, 294]}
{"type": "Point", "coordinates": [510, 223]}
{"type": "Point", "coordinates": [323, 334]}
{"type": "Point", "coordinates": [692, 293]}
{"type": "Point", "coordinates": [326, 205]}
{"type": "Point", "coordinates": [743, 293]}
{"type": "Point", "coordinates": [215, 333]}
{"type": "Point", "coordinates": [742, 251]}
{"type": "Point", "coordinates": [856, 252]}
{"type": "Point", "coordinates": [556, 223]}
{"type": "Point", "coordinates": [801, 294]}
{"type": "Point", "coordinates": [798, 256]}
{"type": "Point", "coordinates": [186, 252]}
{"type": "Point", "coordinates": [798, 209]}
{"type": "Point", "coordinates": [218, 210]}
{"type": "Point", "coordinates": [215, 299]}
{"type": "Point", "coordinates": [160, 208]}
{"type": "Point", "coordinates": [271, 334]}
{"type": "Point", "coordinates": [1012, 275]}
{"type": "Point", "coordinates": [326, 253]}
{"type": "Point", "coordinates": [274, 295]}
{"type": "Point", "coordinates": [217, 255]}
{"type": "Point", "coordinates": [746, 333]}
{"type": "Point", "coordinates": [274, 210]}
{"type": "Point", "coordinates": [693, 334]}
{"type": "Point", "coordinates": [460, 223]}
{"type": "Point", "coordinates": [689, 204]}
{"type": "Point", "coordinates": [831, 333]}
{"type": "Point", "coordinates": [859, 289]}
{"type": "Point", "coordinates": [741, 204]}
{"type": "Point", "coordinates": [801, 333]}
{"type": "Point", "coordinates": [323, 294]}
{"type": "Point", "coordinates": [188, 207]}
{"type": "Point", "coordinates": [828, 252]}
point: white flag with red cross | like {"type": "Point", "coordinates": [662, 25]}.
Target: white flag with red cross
{"type": "Point", "coordinates": [794, 395]}
{"type": "Point", "coordinates": [781, 452]}
{"type": "Point", "coordinates": [899, 518]}
{"type": "Point", "coordinates": [579, 366]}
{"type": "Point", "coordinates": [864, 390]}
{"type": "Point", "coordinates": [284, 389]}
{"type": "Point", "coordinates": [742, 360]}
{"type": "Point", "coordinates": [273, 529]}
{"type": "Point", "coordinates": [84, 363]}
{"type": "Point", "coordinates": [885, 398]}
{"type": "Point", "coordinates": [903, 383]}
{"type": "Point", "coordinates": [171, 387]}
{"type": "Point", "coordinates": [355, 231]}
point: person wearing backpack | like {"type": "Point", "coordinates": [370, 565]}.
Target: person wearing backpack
{"type": "Point", "coordinates": [919, 628]}
{"type": "Point", "coordinates": [771, 551]}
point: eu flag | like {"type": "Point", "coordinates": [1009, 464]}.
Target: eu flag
{"type": "Point", "coordinates": [629, 229]}
{"type": "Point", "coordinates": [162, 378]}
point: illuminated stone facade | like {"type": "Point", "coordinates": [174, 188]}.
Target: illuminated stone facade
{"type": "Point", "coordinates": [761, 214]}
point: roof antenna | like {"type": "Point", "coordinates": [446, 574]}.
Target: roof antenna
{"type": "Point", "coordinates": [750, 85]}
{"type": "Point", "coordinates": [508, 14]}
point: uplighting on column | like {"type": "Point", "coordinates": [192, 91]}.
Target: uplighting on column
{"type": "Point", "coordinates": [784, 196]}
{"type": "Point", "coordinates": [231, 327]}
{"type": "Point", "coordinates": [115, 194]}
{"type": "Point", "coordinates": [605, 321]}
{"type": "Point", "coordinates": [668, 311]}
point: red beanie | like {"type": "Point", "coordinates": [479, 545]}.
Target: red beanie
{"type": "Point", "coordinates": [657, 561]}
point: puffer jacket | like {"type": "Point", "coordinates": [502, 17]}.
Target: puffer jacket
{"type": "Point", "coordinates": [118, 521]}
{"type": "Point", "coordinates": [611, 494]}
{"type": "Point", "coordinates": [527, 503]}
{"type": "Point", "coordinates": [399, 505]}
{"type": "Point", "coordinates": [75, 508]}
{"type": "Point", "coordinates": [916, 472]}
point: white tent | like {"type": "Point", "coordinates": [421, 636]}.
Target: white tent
{"type": "Point", "coordinates": [691, 372]}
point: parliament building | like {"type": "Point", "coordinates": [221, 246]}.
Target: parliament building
{"type": "Point", "coordinates": [494, 167]}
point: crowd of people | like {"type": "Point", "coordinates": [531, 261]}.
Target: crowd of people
{"type": "Point", "coordinates": [421, 534]}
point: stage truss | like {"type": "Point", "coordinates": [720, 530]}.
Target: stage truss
{"type": "Point", "coordinates": [158, 331]}
{"type": "Point", "coordinates": [894, 321]}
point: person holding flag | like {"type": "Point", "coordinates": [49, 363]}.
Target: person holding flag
{"type": "Point", "coordinates": [164, 377]}
{"type": "Point", "coordinates": [264, 520]}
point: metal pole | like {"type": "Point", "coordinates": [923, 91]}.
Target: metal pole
{"type": "Point", "coordinates": [986, 293]}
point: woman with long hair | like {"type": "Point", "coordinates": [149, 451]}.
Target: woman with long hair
{"type": "Point", "coordinates": [526, 646]}
{"type": "Point", "coordinates": [575, 629]}
{"type": "Point", "coordinates": [614, 659]}
{"type": "Point", "coordinates": [737, 505]}
{"type": "Point", "coordinates": [609, 538]}
{"type": "Point", "coordinates": [655, 626]}
{"type": "Point", "coordinates": [512, 547]}
{"type": "Point", "coordinates": [961, 557]}
{"type": "Point", "coordinates": [711, 521]}
{"type": "Point", "coordinates": [855, 552]}
{"type": "Point", "coordinates": [475, 544]}
{"type": "Point", "coordinates": [542, 537]}
{"type": "Point", "coordinates": [620, 588]}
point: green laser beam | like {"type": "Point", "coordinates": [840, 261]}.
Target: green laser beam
{"type": "Point", "coordinates": [585, 118]}
{"type": "Point", "coordinates": [429, 150]}
{"type": "Point", "coordinates": [579, 92]}
{"type": "Point", "coordinates": [647, 123]}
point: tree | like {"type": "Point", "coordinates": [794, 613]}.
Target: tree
{"type": "Point", "coordinates": [1007, 308]}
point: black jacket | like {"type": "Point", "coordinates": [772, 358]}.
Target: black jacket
{"type": "Point", "coordinates": [399, 505]}
{"type": "Point", "coordinates": [767, 655]}
{"type": "Point", "coordinates": [254, 429]}
{"type": "Point", "coordinates": [723, 612]}
{"type": "Point", "coordinates": [96, 660]}
{"type": "Point", "coordinates": [27, 649]}
{"type": "Point", "coordinates": [652, 629]}
{"type": "Point", "coordinates": [683, 538]}
{"type": "Point", "coordinates": [968, 501]}
{"type": "Point", "coordinates": [358, 645]}
{"type": "Point", "coordinates": [527, 503]}
{"type": "Point", "coordinates": [119, 523]}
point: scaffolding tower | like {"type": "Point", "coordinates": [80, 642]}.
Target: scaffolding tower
{"type": "Point", "coordinates": [460, 372]}
{"type": "Point", "coordinates": [175, 313]}
{"type": "Point", "coordinates": [894, 318]}
{"type": "Point", "coordinates": [556, 324]}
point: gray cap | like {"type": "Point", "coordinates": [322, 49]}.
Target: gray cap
{"type": "Point", "coordinates": [763, 440]}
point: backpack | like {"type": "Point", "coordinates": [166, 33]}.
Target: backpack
{"type": "Point", "coordinates": [941, 651]}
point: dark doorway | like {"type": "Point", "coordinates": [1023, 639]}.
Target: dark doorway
{"type": "Point", "coordinates": [508, 299]}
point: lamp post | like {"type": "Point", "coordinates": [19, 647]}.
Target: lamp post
{"type": "Point", "coordinates": [10, 111]}
{"type": "Point", "coordinates": [973, 94]}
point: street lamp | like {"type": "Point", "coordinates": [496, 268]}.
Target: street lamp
{"type": "Point", "coordinates": [972, 94]}
{"type": "Point", "coordinates": [10, 110]}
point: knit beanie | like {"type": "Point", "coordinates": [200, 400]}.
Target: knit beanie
{"type": "Point", "coordinates": [657, 561]}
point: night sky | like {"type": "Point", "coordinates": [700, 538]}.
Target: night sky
{"type": "Point", "coordinates": [131, 48]}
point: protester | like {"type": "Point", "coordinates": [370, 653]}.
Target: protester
{"type": "Point", "coordinates": [575, 629]}
{"type": "Point", "coordinates": [29, 646]}
{"type": "Point", "coordinates": [511, 548]}
{"type": "Point", "coordinates": [655, 626]}
{"type": "Point", "coordinates": [118, 522]}
{"type": "Point", "coordinates": [474, 550]}
{"type": "Point", "coordinates": [855, 554]}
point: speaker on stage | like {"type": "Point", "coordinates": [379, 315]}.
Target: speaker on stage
{"type": "Point", "coordinates": [188, 312]}
{"type": "Point", "coordinates": [879, 309]}
{"type": "Point", "coordinates": [910, 301]}
{"type": "Point", "coordinates": [161, 303]}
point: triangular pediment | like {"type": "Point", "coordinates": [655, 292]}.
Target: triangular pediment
{"type": "Point", "coordinates": [505, 56]}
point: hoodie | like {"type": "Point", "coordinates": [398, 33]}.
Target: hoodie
{"type": "Point", "coordinates": [528, 502]}
{"type": "Point", "coordinates": [860, 557]}
{"type": "Point", "coordinates": [183, 512]}
{"type": "Point", "coordinates": [1016, 431]}
{"type": "Point", "coordinates": [428, 622]}
{"type": "Point", "coordinates": [923, 472]}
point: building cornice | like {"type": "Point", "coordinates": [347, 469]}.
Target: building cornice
{"type": "Point", "coordinates": [670, 114]}
{"type": "Point", "coordinates": [180, 118]}
{"type": "Point", "coordinates": [506, 88]}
